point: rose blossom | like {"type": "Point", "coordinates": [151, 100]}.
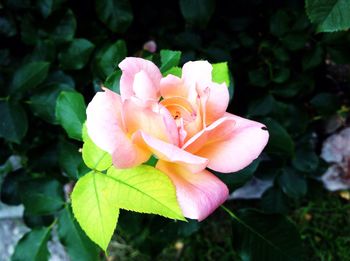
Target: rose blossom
{"type": "Point", "coordinates": [183, 122]}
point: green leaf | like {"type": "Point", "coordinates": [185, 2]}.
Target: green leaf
{"type": "Point", "coordinates": [329, 15]}
{"type": "Point", "coordinates": [280, 142]}
{"type": "Point", "coordinates": [239, 178]}
{"type": "Point", "coordinates": [7, 26]}
{"type": "Point", "coordinates": [292, 184]}
{"type": "Point", "coordinates": [33, 246]}
{"type": "Point", "coordinates": [69, 159]}
{"type": "Point", "coordinates": [94, 157]}
{"type": "Point", "coordinates": [305, 160]}
{"type": "Point", "coordinates": [64, 30]}
{"type": "Point", "coordinates": [325, 103]}
{"type": "Point", "coordinates": [29, 76]}
{"type": "Point", "coordinates": [260, 237]}
{"type": "Point", "coordinates": [37, 221]}
{"type": "Point", "coordinates": [177, 71]}
{"type": "Point", "coordinates": [259, 77]}
{"type": "Point", "coordinates": [71, 113]}
{"type": "Point", "coordinates": [76, 54]}
{"type": "Point", "coordinates": [95, 207]}
{"type": "Point", "coordinates": [197, 12]}
{"type": "Point", "coordinates": [10, 192]}
{"type": "Point", "coordinates": [58, 77]}
{"type": "Point", "coordinates": [295, 41]}
{"type": "Point", "coordinates": [44, 51]}
{"type": "Point", "coordinates": [42, 196]}
{"type": "Point", "coordinates": [75, 241]}
{"type": "Point", "coordinates": [113, 80]}
{"type": "Point", "coordinates": [108, 58]}
{"type": "Point", "coordinates": [274, 201]}
{"type": "Point", "coordinates": [142, 189]}
{"type": "Point", "coordinates": [313, 59]}
{"type": "Point", "coordinates": [280, 23]}
{"type": "Point", "coordinates": [45, 7]}
{"type": "Point", "coordinates": [169, 59]}
{"type": "Point", "coordinates": [14, 123]}
{"type": "Point", "coordinates": [152, 161]}
{"type": "Point", "coordinates": [221, 74]}
{"type": "Point", "coordinates": [292, 88]}
{"type": "Point", "coordinates": [281, 75]}
{"type": "Point", "coordinates": [115, 14]}
{"type": "Point", "coordinates": [281, 54]}
{"type": "Point", "coordinates": [4, 59]}
{"type": "Point", "coordinates": [43, 103]}
{"type": "Point", "coordinates": [30, 33]}
{"type": "Point", "coordinates": [262, 106]}
{"type": "Point", "coordinates": [155, 192]}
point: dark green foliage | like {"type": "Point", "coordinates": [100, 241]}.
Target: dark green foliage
{"type": "Point", "coordinates": [169, 59]}
{"type": "Point", "coordinates": [41, 196]}
{"type": "Point", "coordinates": [55, 54]}
{"type": "Point", "coordinates": [329, 15]}
{"type": "Point", "coordinates": [33, 246]}
{"type": "Point", "coordinates": [259, 237]}
{"type": "Point", "coordinates": [78, 245]}
{"type": "Point", "coordinates": [29, 76]}
{"type": "Point", "coordinates": [76, 54]}
{"type": "Point", "coordinates": [197, 12]}
{"type": "Point", "coordinates": [70, 113]}
{"type": "Point", "coordinates": [115, 14]}
{"type": "Point", "coordinates": [14, 123]}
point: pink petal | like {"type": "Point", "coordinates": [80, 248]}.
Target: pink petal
{"type": "Point", "coordinates": [169, 152]}
{"type": "Point", "coordinates": [151, 118]}
{"type": "Point", "coordinates": [172, 86]}
{"type": "Point", "coordinates": [105, 128]}
{"type": "Point", "coordinates": [217, 102]}
{"type": "Point", "coordinates": [130, 67]}
{"type": "Point", "coordinates": [245, 144]}
{"type": "Point", "coordinates": [196, 75]}
{"type": "Point", "coordinates": [220, 130]}
{"type": "Point", "coordinates": [127, 154]}
{"type": "Point", "coordinates": [143, 86]}
{"type": "Point", "coordinates": [104, 119]}
{"type": "Point", "coordinates": [198, 194]}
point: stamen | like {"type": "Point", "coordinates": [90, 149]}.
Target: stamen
{"type": "Point", "coordinates": [177, 115]}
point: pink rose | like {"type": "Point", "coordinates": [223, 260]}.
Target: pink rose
{"type": "Point", "coordinates": [183, 122]}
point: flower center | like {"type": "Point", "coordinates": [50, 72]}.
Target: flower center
{"type": "Point", "coordinates": [179, 108]}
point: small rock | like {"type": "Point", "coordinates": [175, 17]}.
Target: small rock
{"type": "Point", "coordinates": [336, 150]}
{"type": "Point", "coordinates": [253, 189]}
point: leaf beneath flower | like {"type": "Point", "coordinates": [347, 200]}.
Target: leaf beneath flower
{"type": "Point", "coordinates": [97, 197]}
{"type": "Point", "coordinates": [95, 208]}
{"type": "Point", "coordinates": [145, 189]}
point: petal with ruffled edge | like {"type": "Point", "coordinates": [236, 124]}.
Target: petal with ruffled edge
{"type": "Point", "coordinates": [197, 73]}
{"type": "Point", "coordinates": [143, 86]}
{"type": "Point", "coordinates": [105, 128]}
{"type": "Point", "coordinates": [239, 149]}
{"type": "Point", "coordinates": [104, 119]}
{"type": "Point", "coordinates": [140, 77]}
{"type": "Point", "coordinates": [198, 79]}
{"type": "Point", "coordinates": [217, 102]}
{"type": "Point", "coordinates": [220, 130]}
{"type": "Point", "coordinates": [169, 152]}
{"type": "Point", "coordinates": [198, 194]}
{"type": "Point", "coordinates": [196, 76]}
{"type": "Point", "coordinates": [172, 86]}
